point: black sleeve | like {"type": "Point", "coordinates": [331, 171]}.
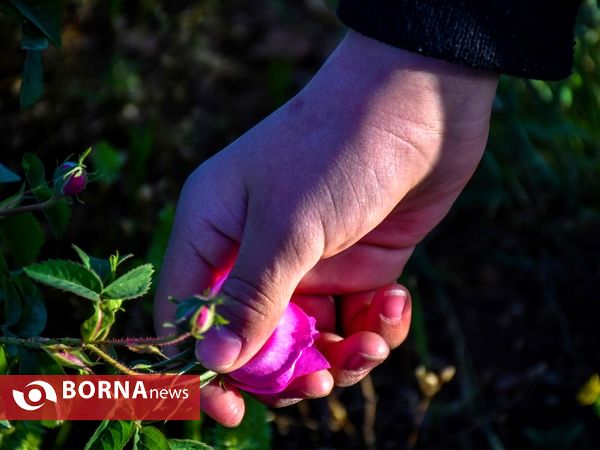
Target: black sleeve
{"type": "Point", "coordinates": [526, 38]}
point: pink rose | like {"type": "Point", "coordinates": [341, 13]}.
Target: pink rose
{"type": "Point", "coordinates": [289, 353]}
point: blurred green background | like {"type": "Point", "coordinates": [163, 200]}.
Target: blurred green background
{"type": "Point", "coordinates": [506, 289]}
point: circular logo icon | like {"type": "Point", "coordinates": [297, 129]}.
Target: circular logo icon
{"type": "Point", "coordinates": [36, 397]}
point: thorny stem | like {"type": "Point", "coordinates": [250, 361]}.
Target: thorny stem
{"type": "Point", "coordinates": [172, 339]}
{"type": "Point", "coordinates": [35, 207]}
{"type": "Point", "coordinates": [110, 360]}
{"type": "Point", "coordinates": [39, 342]}
{"type": "Point", "coordinates": [92, 347]}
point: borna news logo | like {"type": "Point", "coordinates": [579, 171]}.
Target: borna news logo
{"type": "Point", "coordinates": [35, 396]}
{"type": "Point", "coordinates": [100, 397]}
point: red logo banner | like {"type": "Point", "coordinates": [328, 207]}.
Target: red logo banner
{"type": "Point", "coordinates": [100, 397]}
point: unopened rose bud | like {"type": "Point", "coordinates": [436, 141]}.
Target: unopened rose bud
{"type": "Point", "coordinates": [70, 358]}
{"type": "Point", "coordinates": [202, 320]}
{"type": "Point", "coordinates": [69, 179]}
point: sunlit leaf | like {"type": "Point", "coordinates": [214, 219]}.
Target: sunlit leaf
{"type": "Point", "coordinates": [134, 283]}
{"type": "Point", "coordinates": [150, 438]}
{"type": "Point", "coordinates": [27, 435]}
{"type": "Point", "coordinates": [188, 444]}
{"type": "Point", "coordinates": [111, 435]}
{"type": "Point", "coordinates": [67, 276]}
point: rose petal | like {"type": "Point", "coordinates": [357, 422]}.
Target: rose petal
{"type": "Point", "coordinates": [310, 361]}
{"type": "Point", "coordinates": [220, 278]}
{"type": "Point", "coordinates": [277, 363]}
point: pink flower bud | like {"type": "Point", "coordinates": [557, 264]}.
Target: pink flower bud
{"type": "Point", "coordinates": [70, 358]}
{"type": "Point", "coordinates": [202, 320]}
{"type": "Point", "coordinates": [69, 179]}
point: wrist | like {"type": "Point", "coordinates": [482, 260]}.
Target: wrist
{"type": "Point", "coordinates": [393, 86]}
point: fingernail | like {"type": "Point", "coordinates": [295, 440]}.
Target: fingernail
{"type": "Point", "coordinates": [393, 306]}
{"type": "Point", "coordinates": [361, 362]}
{"type": "Point", "coordinates": [219, 349]}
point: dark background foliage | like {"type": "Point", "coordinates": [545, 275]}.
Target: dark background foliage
{"type": "Point", "coordinates": [506, 289]}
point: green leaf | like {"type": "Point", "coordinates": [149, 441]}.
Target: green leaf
{"type": "Point", "coordinates": [34, 317]}
{"type": "Point", "coordinates": [151, 438]}
{"type": "Point", "coordinates": [108, 162]}
{"type": "Point", "coordinates": [67, 276]}
{"type": "Point", "coordinates": [51, 423]}
{"type": "Point", "coordinates": [188, 444]}
{"type": "Point", "coordinates": [3, 361]}
{"type": "Point", "coordinates": [34, 170]}
{"type": "Point", "coordinates": [13, 201]}
{"type": "Point", "coordinates": [116, 260]}
{"type": "Point", "coordinates": [59, 215]}
{"type": "Point", "coordinates": [111, 435]}
{"type": "Point", "coordinates": [133, 284]}
{"type": "Point", "coordinates": [13, 307]}
{"type": "Point", "coordinates": [47, 365]}
{"type": "Point", "coordinates": [253, 433]}
{"type": "Point", "coordinates": [44, 14]}
{"type": "Point", "coordinates": [23, 236]}
{"type": "Point", "coordinates": [91, 326]}
{"type": "Point", "coordinates": [33, 38]}
{"type": "Point", "coordinates": [28, 364]}
{"type": "Point", "coordinates": [85, 258]}
{"type": "Point", "coordinates": [32, 82]}
{"type": "Point", "coordinates": [98, 325]}
{"type": "Point", "coordinates": [27, 435]}
{"type": "Point", "coordinates": [58, 218]}
{"type": "Point", "coordinates": [5, 425]}
{"type": "Point", "coordinates": [7, 175]}
{"type": "Point", "coordinates": [100, 266]}
{"type": "Point", "coordinates": [36, 362]}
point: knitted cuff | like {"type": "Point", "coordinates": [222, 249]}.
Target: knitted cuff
{"type": "Point", "coordinates": [532, 39]}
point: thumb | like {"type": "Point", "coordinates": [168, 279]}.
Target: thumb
{"type": "Point", "coordinates": [272, 260]}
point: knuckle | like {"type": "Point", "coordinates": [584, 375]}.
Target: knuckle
{"type": "Point", "coordinates": [249, 306]}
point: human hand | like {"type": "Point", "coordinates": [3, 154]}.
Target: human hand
{"type": "Point", "coordinates": [327, 196]}
{"type": "Point", "coordinates": [370, 336]}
